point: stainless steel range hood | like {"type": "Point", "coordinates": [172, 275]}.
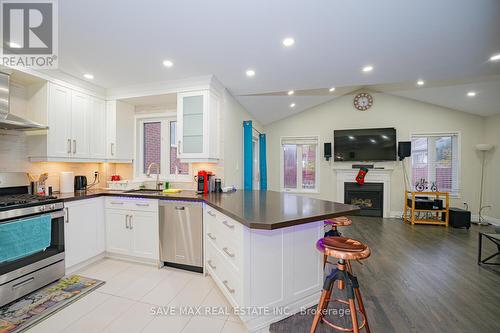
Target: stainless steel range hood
{"type": "Point", "coordinates": [8, 120]}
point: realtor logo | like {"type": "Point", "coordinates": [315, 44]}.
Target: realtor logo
{"type": "Point", "coordinates": [29, 33]}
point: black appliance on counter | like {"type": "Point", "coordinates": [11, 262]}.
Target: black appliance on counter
{"type": "Point", "coordinates": [20, 275]}
{"type": "Point", "coordinates": [80, 183]}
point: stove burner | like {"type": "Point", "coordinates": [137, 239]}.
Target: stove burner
{"type": "Point", "coordinates": [20, 199]}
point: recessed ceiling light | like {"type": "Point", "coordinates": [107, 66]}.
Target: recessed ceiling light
{"type": "Point", "coordinates": [292, 105]}
{"type": "Point", "coordinates": [367, 69]}
{"type": "Point", "coordinates": [495, 57]}
{"type": "Point", "coordinates": [291, 92]}
{"type": "Point", "coordinates": [351, 137]}
{"type": "Point", "coordinates": [420, 82]}
{"type": "Point", "coordinates": [373, 141]}
{"type": "Point", "coordinates": [332, 89]}
{"type": "Point", "coordinates": [14, 45]}
{"type": "Point", "coordinates": [471, 93]}
{"type": "Point", "coordinates": [168, 63]}
{"type": "Point", "coordinates": [289, 41]}
{"type": "Point", "coordinates": [250, 72]}
{"type": "Point", "coordinates": [88, 76]}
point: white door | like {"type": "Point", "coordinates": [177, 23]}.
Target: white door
{"type": "Point", "coordinates": [80, 118]}
{"type": "Point", "coordinates": [192, 124]}
{"type": "Point", "coordinates": [144, 226]}
{"type": "Point", "coordinates": [59, 133]}
{"type": "Point", "coordinates": [118, 234]}
{"type": "Point", "coordinates": [97, 128]}
{"type": "Point", "coordinates": [80, 232]}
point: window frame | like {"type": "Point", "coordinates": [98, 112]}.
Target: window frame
{"type": "Point", "coordinates": [165, 119]}
{"type": "Point", "coordinates": [458, 134]}
{"type": "Point", "coordinates": [299, 188]}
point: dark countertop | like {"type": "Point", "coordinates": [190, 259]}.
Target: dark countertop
{"type": "Point", "coordinates": [255, 209]}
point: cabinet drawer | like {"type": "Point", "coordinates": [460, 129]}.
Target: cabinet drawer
{"type": "Point", "coordinates": [144, 205]}
{"type": "Point", "coordinates": [227, 227]}
{"type": "Point", "coordinates": [228, 281]}
{"type": "Point", "coordinates": [230, 251]}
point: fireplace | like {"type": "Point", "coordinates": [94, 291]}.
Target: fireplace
{"type": "Point", "coordinates": [369, 197]}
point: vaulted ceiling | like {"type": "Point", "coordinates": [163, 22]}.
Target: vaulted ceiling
{"type": "Point", "coordinates": [124, 42]}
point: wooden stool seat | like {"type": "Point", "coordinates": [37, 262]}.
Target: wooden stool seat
{"type": "Point", "coordinates": [341, 221]}
{"type": "Point", "coordinates": [343, 248]}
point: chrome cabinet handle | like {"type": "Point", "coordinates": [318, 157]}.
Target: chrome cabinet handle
{"type": "Point", "coordinates": [66, 210]}
{"type": "Point", "coordinates": [116, 203]}
{"type": "Point", "coordinates": [69, 146]}
{"type": "Point", "coordinates": [142, 204]}
{"type": "Point", "coordinates": [23, 283]}
{"type": "Point", "coordinates": [126, 221]}
{"type": "Point", "coordinates": [226, 284]}
{"type": "Point", "coordinates": [210, 264]}
{"type": "Point", "coordinates": [180, 208]}
{"type": "Point", "coordinates": [212, 237]}
{"type": "Point", "coordinates": [112, 149]}
{"type": "Point", "coordinates": [211, 213]}
{"type": "Point", "coordinates": [130, 225]}
{"type": "Point", "coordinates": [227, 224]}
{"type": "Point", "coordinates": [74, 146]}
{"type": "Point", "coordinates": [226, 251]}
{"type": "Point", "coordinates": [179, 146]}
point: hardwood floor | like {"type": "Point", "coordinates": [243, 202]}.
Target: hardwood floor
{"type": "Point", "coordinates": [419, 278]}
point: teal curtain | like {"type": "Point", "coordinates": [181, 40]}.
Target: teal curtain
{"type": "Point", "coordinates": [263, 162]}
{"type": "Point", "coordinates": [247, 155]}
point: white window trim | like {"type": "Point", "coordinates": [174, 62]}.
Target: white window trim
{"type": "Point", "coordinates": [316, 190]}
{"type": "Point", "coordinates": [458, 194]}
{"type": "Point", "coordinates": [165, 119]}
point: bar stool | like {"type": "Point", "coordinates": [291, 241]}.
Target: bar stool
{"type": "Point", "coordinates": [341, 221]}
{"type": "Point", "coordinates": [344, 249]}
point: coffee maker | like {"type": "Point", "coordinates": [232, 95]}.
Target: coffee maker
{"type": "Point", "coordinates": [204, 179]}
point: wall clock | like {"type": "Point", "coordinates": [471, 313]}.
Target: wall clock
{"type": "Point", "coordinates": [363, 101]}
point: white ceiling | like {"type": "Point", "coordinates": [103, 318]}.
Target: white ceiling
{"type": "Point", "coordinates": [123, 42]}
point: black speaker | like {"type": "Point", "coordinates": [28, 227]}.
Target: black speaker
{"type": "Point", "coordinates": [404, 149]}
{"type": "Point", "coordinates": [328, 150]}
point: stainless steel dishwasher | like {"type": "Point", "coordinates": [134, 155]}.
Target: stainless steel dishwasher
{"type": "Point", "coordinates": [181, 234]}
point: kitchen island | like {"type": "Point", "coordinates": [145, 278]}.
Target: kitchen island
{"type": "Point", "coordinates": [259, 247]}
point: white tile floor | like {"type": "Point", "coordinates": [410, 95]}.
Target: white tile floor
{"type": "Point", "coordinates": [125, 302]}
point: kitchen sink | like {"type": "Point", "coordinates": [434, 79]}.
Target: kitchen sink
{"type": "Point", "coordinates": [147, 192]}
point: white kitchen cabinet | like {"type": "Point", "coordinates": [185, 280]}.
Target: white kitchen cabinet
{"type": "Point", "coordinates": [274, 269]}
{"type": "Point", "coordinates": [117, 232]}
{"type": "Point", "coordinates": [97, 126]}
{"type": "Point", "coordinates": [84, 230]}
{"type": "Point", "coordinates": [120, 124]}
{"type": "Point", "coordinates": [80, 129]}
{"type": "Point", "coordinates": [197, 126]}
{"type": "Point", "coordinates": [132, 227]}
{"type": "Point", "coordinates": [70, 116]}
{"type": "Point", "coordinates": [59, 122]}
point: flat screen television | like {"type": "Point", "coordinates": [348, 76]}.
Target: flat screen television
{"type": "Point", "coordinates": [371, 144]}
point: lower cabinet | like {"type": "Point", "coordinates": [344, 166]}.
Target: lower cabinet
{"type": "Point", "coordinates": [132, 232]}
{"type": "Point", "coordinates": [83, 230]}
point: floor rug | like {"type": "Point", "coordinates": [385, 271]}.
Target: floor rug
{"type": "Point", "coordinates": [22, 314]}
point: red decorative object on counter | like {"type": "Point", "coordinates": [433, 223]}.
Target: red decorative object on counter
{"type": "Point", "coordinates": [115, 178]}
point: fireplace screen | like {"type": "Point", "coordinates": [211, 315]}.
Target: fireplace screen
{"type": "Point", "coordinates": [368, 197]}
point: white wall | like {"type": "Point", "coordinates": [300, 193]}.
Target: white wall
{"type": "Point", "coordinates": [492, 169]}
{"type": "Point", "coordinates": [233, 115]}
{"type": "Point", "coordinates": [405, 115]}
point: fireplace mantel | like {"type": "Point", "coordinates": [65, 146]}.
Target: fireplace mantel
{"type": "Point", "coordinates": [383, 176]}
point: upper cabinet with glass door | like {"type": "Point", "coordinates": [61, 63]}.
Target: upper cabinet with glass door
{"type": "Point", "coordinates": [197, 126]}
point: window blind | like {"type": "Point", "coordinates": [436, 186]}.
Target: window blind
{"type": "Point", "coordinates": [435, 159]}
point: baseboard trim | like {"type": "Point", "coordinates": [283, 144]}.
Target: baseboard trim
{"type": "Point", "coordinates": [77, 267]}
{"type": "Point", "coordinates": [489, 219]}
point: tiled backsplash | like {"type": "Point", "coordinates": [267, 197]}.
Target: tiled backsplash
{"type": "Point", "coordinates": [13, 158]}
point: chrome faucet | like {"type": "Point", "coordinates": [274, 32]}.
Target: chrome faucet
{"type": "Point", "coordinates": [148, 173]}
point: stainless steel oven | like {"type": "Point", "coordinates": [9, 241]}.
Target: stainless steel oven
{"type": "Point", "coordinates": [23, 274]}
